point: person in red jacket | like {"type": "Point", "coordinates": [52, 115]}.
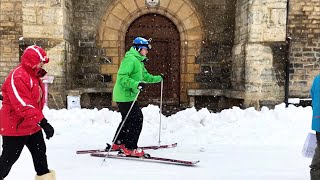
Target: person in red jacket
{"type": "Point", "coordinates": [21, 117]}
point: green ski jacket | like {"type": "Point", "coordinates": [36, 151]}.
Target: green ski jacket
{"type": "Point", "coordinates": [130, 74]}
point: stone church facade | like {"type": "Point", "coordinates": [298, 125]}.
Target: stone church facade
{"type": "Point", "coordinates": [214, 53]}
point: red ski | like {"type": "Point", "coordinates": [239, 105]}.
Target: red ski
{"type": "Point", "coordinates": [143, 147]}
{"type": "Point", "coordinates": [147, 158]}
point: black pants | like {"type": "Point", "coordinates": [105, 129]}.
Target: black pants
{"type": "Point", "coordinates": [12, 147]}
{"type": "Point", "coordinates": [130, 132]}
{"type": "Point", "coordinates": [315, 164]}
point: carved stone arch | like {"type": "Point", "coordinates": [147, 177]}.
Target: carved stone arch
{"type": "Point", "coordinates": [121, 13]}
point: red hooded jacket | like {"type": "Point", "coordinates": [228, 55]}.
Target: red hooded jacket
{"type": "Point", "coordinates": [23, 97]}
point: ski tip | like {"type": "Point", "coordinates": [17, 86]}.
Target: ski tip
{"type": "Point", "coordinates": [190, 163]}
{"type": "Point", "coordinates": [196, 162]}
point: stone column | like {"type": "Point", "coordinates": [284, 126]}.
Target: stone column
{"type": "Point", "coordinates": [47, 24]}
{"type": "Point", "coordinates": [258, 51]}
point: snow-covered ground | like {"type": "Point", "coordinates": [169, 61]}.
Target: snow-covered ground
{"type": "Point", "coordinates": [233, 144]}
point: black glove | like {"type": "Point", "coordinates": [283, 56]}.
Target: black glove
{"type": "Point", "coordinates": [40, 72]}
{"type": "Point", "coordinates": [141, 86]}
{"type": "Point", "coordinates": [162, 75]}
{"type": "Point", "coordinates": [48, 129]}
{"type": "Point", "coordinates": [145, 60]}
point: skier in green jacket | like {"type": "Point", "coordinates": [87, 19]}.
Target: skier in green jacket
{"type": "Point", "coordinates": [131, 78]}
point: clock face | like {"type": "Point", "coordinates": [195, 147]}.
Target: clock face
{"type": "Point", "coordinates": [152, 3]}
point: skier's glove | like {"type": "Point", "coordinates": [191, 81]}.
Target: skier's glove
{"type": "Point", "coordinates": [162, 75]}
{"type": "Point", "coordinates": [141, 86]}
{"type": "Point", "coordinates": [48, 129]}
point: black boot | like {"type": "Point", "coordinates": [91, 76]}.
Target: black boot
{"type": "Point", "coordinates": [315, 174]}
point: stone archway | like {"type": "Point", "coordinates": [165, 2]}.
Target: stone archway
{"type": "Point", "coordinates": [121, 13]}
{"type": "Point", "coordinates": [164, 57]}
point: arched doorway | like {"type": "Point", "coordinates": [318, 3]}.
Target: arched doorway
{"type": "Point", "coordinates": [163, 58]}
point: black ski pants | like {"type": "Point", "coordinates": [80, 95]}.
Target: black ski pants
{"type": "Point", "coordinates": [130, 132]}
{"type": "Point", "coordinates": [315, 164]}
{"type": "Point", "coordinates": [12, 147]}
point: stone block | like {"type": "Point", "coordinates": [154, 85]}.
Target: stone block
{"type": "Point", "coordinates": [12, 37]}
{"type": "Point", "coordinates": [275, 16]}
{"type": "Point", "coordinates": [184, 12]}
{"type": "Point", "coordinates": [191, 22]}
{"type": "Point", "coordinates": [43, 31]}
{"type": "Point", "coordinates": [275, 34]}
{"type": "Point", "coordinates": [194, 44]}
{"type": "Point", "coordinates": [7, 7]}
{"type": "Point", "coordinates": [194, 34]}
{"type": "Point", "coordinates": [252, 87]}
{"type": "Point", "coordinates": [52, 16]}
{"type": "Point", "coordinates": [130, 5]}
{"type": "Point", "coordinates": [175, 5]}
{"type": "Point", "coordinates": [257, 16]}
{"type": "Point", "coordinates": [112, 51]}
{"type": "Point", "coordinates": [7, 24]}
{"type": "Point", "coordinates": [307, 8]}
{"type": "Point", "coordinates": [29, 16]}
{"type": "Point", "coordinates": [313, 17]}
{"type": "Point", "coordinates": [141, 3]}
{"type": "Point", "coordinates": [6, 49]}
{"type": "Point", "coordinates": [109, 44]}
{"type": "Point", "coordinates": [164, 3]}
{"type": "Point", "coordinates": [120, 11]}
{"type": "Point", "coordinates": [191, 59]}
{"type": "Point", "coordinates": [256, 33]}
{"type": "Point", "coordinates": [114, 78]}
{"type": "Point", "coordinates": [256, 50]}
{"type": "Point", "coordinates": [109, 69]}
{"type": "Point", "coordinates": [237, 49]}
{"type": "Point", "coordinates": [192, 52]}
{"type": "Point", "coordinates": [115, 60]}
{"type": "Point", "coordinates": [193, 68]}
{"type": "Point", "coordinates": [184, 97]}
{"type": "Point", "coordinates": [18, 6]}
{"type": "Point", "coordinates": [113, 22]}
{"type": "Point", "coordinates": [110, 34]}
{"type": "Point", "coordinates": [276, 4]}
{"type": "Point", "coordinates": [189, 78]}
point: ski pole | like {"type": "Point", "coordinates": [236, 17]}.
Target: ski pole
{"type": "Point", "coordinates": [161, 94]}
{"type": "Point", "coordinates": [124, 120]}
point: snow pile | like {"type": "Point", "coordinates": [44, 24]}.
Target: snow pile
{"type": "Point", "coordinates": [233, 144]}
{"type": "Point", "coordinates": [232, 126]}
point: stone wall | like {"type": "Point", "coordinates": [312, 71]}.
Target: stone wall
{"type": "Point", "coordinates": [216, 54]}
{"type": "Point", "coordinates": [70, 43]}
{"type": "Point", "coordinates": [86, 71]}
{"type": "Point", "coordinates": [242, 48]}
{"type": "Point", "coordinates": [259, 51]}
{"type": "Point", "coordinates": [10, 32]}
{"type": "Point", "coordinates": [47, 23]}
{"type": "Point", "coordinates": [304, 29]}
{"type": "Point", "coordinates": [217, 45]}
{"type": "Point", "coordinates": [182, 13]}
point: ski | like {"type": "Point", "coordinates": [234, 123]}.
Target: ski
{"type": "Point", "coordinates": [148, 159]}
{"type": "Point", "coordinates": [143, 147]}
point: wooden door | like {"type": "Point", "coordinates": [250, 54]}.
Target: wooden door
{"type": "Point", "coordinates": [164, 57]}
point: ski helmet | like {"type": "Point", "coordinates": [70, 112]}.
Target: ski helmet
{"type": "Point", "coordinates": [141, 43]}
